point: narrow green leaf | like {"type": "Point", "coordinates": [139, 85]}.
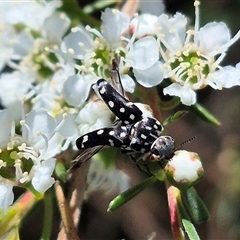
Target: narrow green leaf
{"type": "Point", "coordinates": [186, 221]}
{"type": "Point", "coordinates": [190, 230]}
{"type": "Point", "coordinates": [174, 117]}
{"type": "Point", "coordinates": [204, 114]}
{"type": "Point", "coordinates": [194, 204]}
{"type": "Point", "coordinates": [129, 194]}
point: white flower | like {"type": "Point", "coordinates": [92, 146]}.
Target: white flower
{"type": "Point", "coordinates": [45, 21]}
{"type": "Point", "coordinates": [93, 116]}
{"type": "Point", "coordinates": [32, 153]}
{"type": "Point", "coordinates": [96, 49]}
{"type": "Point", "coordinates": [79, 43]}
{"type": "Point", "coordinates": [192, 57]}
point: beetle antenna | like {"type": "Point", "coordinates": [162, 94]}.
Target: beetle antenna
{"type": "Point", "coordinates": [186, 141]}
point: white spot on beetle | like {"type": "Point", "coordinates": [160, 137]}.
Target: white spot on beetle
{"type": "Point", "coordinates": [100, 132]}
{"type": "Point", "coordinates": [102, 90]}
{"type": "Point", "coordinates": [132, 116]}
{"type": "Point", "coordinates": [123, 134]}
{"type": "Point", "coordinates": [122, 110]}
{"type": "Point", "coordinates": [85, 138]}
{"type": "Point", "coordinates": [143, 136]}
{"type": "Point", "coordinates": [111, 104]}
{"type": "Point", "coordinates": [111, 132]}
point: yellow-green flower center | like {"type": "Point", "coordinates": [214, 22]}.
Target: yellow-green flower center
{"type": "Point", "coordinates": [189, 66]}
{"type": "Point", "coordinates": [8, 159]}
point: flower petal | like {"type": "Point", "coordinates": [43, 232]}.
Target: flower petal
{"type": "Point", "coordinates": [38, 121]}
{"type": "Point", "coordinates": [173, 29]}
{"type": "Point", "coordinates": [6, 194]}
{"type": "Point", "coordinates": [5, 130]}
{"type": "Point", "coordinates": [79, 40]}
{"type": "Point", "coordinates": [76, 88]}
{"type": "Point", "coordinates": [186, 94]}
{"type": "Point", "coordinates": [114, 24]}
{"type": "Point", "coordinates": [143, 54]}
{"type": "Point", "coordinates": [42, 179]}
{"type": "Point", "coordinates": [128, 83]}
{"type": "Point", "coordinates": [150, 77]}
{"type": "Point", "coordinates": [213, 35]}
{"type": "Point", "coordinates": [226, 77]}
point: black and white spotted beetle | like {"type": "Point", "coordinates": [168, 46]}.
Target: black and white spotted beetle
{"type": "Point", "coordinates": [131, 132]}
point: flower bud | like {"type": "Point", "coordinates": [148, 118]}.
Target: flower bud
{"type": "Point", "coordinates": [184, 169]}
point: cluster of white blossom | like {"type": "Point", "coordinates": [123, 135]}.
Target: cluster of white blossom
{"type": "Point", "coordinates": [47, 75]}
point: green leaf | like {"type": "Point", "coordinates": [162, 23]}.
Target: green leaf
{"type": "Point", "coordinates": [204, 114]}
{"type": "Point", "coordinates": [174, 117]}
{"type": "Point", "coordinates": [130, 193]}
{"type": "Point", "coordinates": [194, 204]}
{"type": "Point", "coordinates": [190, 230]}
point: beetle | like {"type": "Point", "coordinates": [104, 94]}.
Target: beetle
{"type": "Point", "coordinates": [132, 132]}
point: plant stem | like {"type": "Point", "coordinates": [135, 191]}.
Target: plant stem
{"type": "Point", "coordinates": [48, 215]}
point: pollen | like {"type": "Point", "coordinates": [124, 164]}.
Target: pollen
{"type": "Point", "coordinates": [80, 44]}
{"type": "Point", "coordinates": [196, 3]}
{"type": "Point", "coordinates": [74, 29]}
{"type": "Point", "coordinates": [71, 51]}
